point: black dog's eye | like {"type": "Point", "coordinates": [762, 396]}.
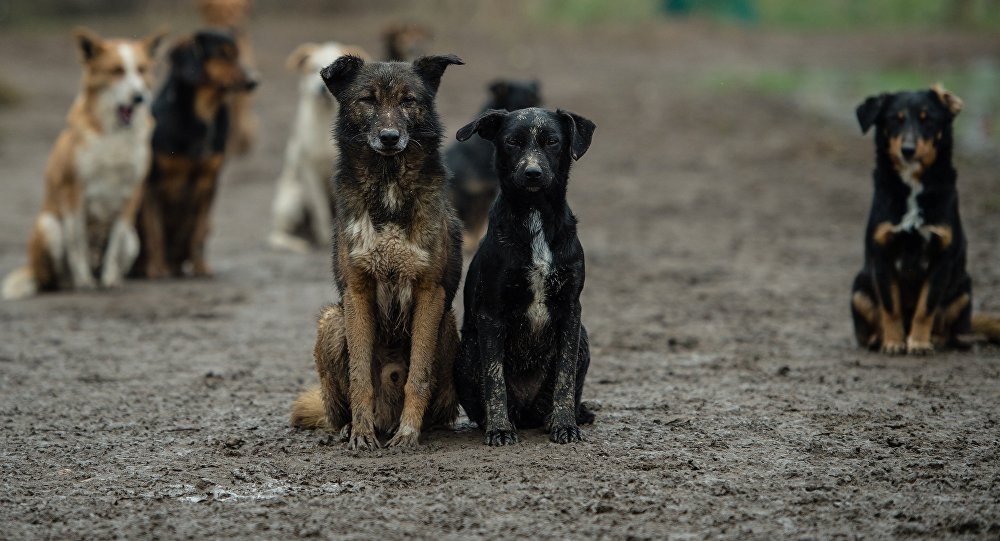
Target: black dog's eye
{"type": "Point", "coordinates": [923, 116]}
{"type": "Point", "coordinates": [510, 141]}
{"type": "Point", "coordinates": [552, 141]}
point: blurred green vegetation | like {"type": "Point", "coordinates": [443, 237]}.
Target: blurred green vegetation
{"type": "Point", "coordinates": [789, 14]}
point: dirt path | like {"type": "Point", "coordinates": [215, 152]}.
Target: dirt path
{"type": "Point", "coordinates": [722, 230]}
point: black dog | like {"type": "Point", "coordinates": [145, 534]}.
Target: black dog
{"type": "Point", "coordinates": [913, 292]}
{"type": "Point", "coordinates": [524, 351]}
{"type": "Point", "coordinates": [192, 123]}
{"type": "Point", "coordinates": [474, 180]}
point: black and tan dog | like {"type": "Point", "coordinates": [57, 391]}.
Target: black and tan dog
{"type": "Point", "coordinates": [396, 260]}
{"type": "Point", "coordinates": [525, 351]}
{"type": "Point", "coordinates": [474, 179]}
{"type": "Point", "coordinates": [914, 292]}
{"type": "Point", "coordinates": [189, 142]}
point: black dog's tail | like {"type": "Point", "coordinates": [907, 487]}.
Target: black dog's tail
{"type": "Point", "coordinates": [987, 326]}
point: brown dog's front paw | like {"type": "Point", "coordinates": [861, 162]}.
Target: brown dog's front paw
{"type": "Point", "coordinates": [565, 434]}
{"type": "Point", "coordinates": [363, 439]}
{"type": "Point", "coordinates": [499, 438]}
{"type": "Point", "coordinates": [919, 347]}
{"type": "Point", "coordinates": [201, 269]}
{"type": "Point", "coordinates": [406, 436]}
{"type": "Point", "coordinates": [893, 348]}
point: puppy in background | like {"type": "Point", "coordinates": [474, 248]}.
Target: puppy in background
{"type": "Point", "coordinates": [233, 16]}
{"type": "Point", "coordinates": [404, 42]}
{"type": "Point", "coordinates": [914, 293]}
{"type": "Point", "coordinates": [192, 124]}
{"type": "Point", "coordinates": [525, 352]}
{"type": "Point", "coordinates": [474, 182]}
{"type": "Point", "coordinates": [303, 205]}
{"type": "Point", "coordinates": [85, 233]}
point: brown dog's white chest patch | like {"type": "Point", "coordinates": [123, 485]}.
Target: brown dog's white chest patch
{"type": "Point", "coordinates": [386, 252]}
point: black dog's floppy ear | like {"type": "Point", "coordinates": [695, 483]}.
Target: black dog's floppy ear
{"type": "Point", "coordinates": [341, 72]}
{"type": "Point", "coordinates": [581, 131]}
{"type": "Point", "coordinates": [869, 111]}
{"type": "Point", "coordinates": [186, 61]}
{"type": "Point", "coordinates": [487, 125]}
{"type": "Point", "coordinates": [431, 68]}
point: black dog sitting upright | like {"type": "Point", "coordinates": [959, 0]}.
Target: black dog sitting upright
{"type": "Point", "coordinates": [473, 183]}
{"type": "Point", "coordinates": [524, 352]}
{"type": "Point", "coordinates": [913, 292]}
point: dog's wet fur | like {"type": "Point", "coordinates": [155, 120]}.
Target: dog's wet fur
{"type": "Point", "coordinates": [525, 352]}
{"type": "Point", "coordinates": [914, 293]}
{"type": "Point", "coordinates": [474, 181]}
{"type": "Point", "coordinates": [189, 142]}
{"type": "Point", "coordinates": [396, 260]}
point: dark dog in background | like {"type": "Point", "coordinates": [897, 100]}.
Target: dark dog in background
{"type": "Point", "coordinates": [405, 42]}
{"type": "Point", "coordinates": [474, 179]}
{"type": "Point", "coordinates": [914, 292]}
{"type": "Point", "coordinates": [189, 142]}
{"type": "Point", "coordinates": [525, 352]}
{"type": "Point", "coordinates": [397, 261]}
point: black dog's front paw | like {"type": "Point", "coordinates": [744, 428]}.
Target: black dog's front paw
{"type": "Point", "coordinates": [497, 438]}
{"type": "Point", "coordinates": [565, 434]}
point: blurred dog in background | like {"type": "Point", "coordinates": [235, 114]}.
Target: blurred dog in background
{"type": "Point", "coordinates": [405, 42]}
{"type": "Point", "coordinates": [474, 183]}
{"type": "Point", "coordinates": [303, 205]}
{"type": "Point", "coordinates": [85, 233]}
{"type": "Point", "coordinates": [189, 143]}
{"type": "Point", "coordinates": [234, 16]}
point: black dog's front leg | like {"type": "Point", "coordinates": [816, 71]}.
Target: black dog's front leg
{"type": "Point", "coordinates": [562, 424]}
{"type": "Point", "coordinates": [499, 430]}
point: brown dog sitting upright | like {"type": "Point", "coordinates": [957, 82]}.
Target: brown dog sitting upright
{"type": "Point", "coordinates": [396, 259]}
{"type": "Point", "coordinates": [189, 144]}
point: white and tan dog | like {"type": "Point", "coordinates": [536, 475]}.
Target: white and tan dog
{"type": "Point", "coordinates": [304, 201]}
{"type": "Point", "coordinates": [85, 235]}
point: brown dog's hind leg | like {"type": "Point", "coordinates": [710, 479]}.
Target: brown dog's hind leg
{"type": "Point", "coordinates": [332, 365]}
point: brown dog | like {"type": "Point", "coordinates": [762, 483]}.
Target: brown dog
{"type": "Point", "coordinates": [233, 16]}
{"type": "Point", "coordinates": [188, 152]}
{"type": "Point", "coordinates": [396, 258]}
{"type": "Point", "coordinates": [406, 41]}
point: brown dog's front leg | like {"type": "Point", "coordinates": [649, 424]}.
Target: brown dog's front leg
{"type": "Point", "coordinates": [562, 424]}
{"type": "Point", "coordinates": [427, 312]}
{"type": "Point", "coordinates": [360, 324]}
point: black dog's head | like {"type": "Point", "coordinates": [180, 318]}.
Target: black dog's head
{"type": "Point", "coordinates": [534, 147]}
{"type": "Point", "coordinates": [912, 128]}
{"type": "Point", "coordinates": [514, 95]}
{"type": "Point", "coordinates": [385, 105]}
{"type": "Point", "coordinates": [211, 58]}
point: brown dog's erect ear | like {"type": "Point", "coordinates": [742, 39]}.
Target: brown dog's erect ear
{"type": "Point", "coordinates": [340, 73]}
{"type": "Point", "coordinates": [153, 41]}
{"type": "Point", "coordinates": [581, 131]}
{"type": "Point", "coordinates": [431, 68]}
{"type": "Point", "coordinates": [487, 125]}
{"type": "Point", "coordinates": [88, 43]}
{"type": "Point", "coordinates": [297, 60]}
{"type": "Point", "coordinates": [952, 102]}
{"type": "Point", "coordinates": [869, 111]}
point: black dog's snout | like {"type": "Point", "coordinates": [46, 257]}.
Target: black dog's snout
{"type": "Point", "coordinates": [908, 151]}
{"type": "Point", "coordinates": [533, 172]}
{"type": "Point", "coordinates": [389, 137]}
{"type": "Point", "coordinates": [137, 99]}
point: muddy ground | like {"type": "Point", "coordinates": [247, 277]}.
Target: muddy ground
{"type": "Point", "coordinates": [722, 230]}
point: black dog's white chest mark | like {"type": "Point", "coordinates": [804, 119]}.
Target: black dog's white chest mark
{"type": "Point", "coordinates": [538, 272]}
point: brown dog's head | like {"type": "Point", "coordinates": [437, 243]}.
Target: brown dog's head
{"type": "Point", "coordinates": [406, 42]}
{"type": "Point", "coordinates": [387, 105]}
{"type": "Point", "coordinates": [224, 13]}
{"type": "Point", "coordinates": [117, 73]}
{"type": "Point", "coordinates": [211, 59]}
{"type": "Point", "coordinates": [913, 129]}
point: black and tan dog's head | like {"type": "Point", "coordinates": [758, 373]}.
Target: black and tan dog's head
{"type": "Point", "coordinates": [534, 147]}
{"type": "Point", "coordinates": [912, 128]}
{"type": "Point", "coordinates": [513, 95]}
{"type": "Point", "coordinates": [211, 59]}
{"type": "Point", "coordinates": [386, 106]}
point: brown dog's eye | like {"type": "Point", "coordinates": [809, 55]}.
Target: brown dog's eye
{"type": "Point", "coordinates": [143, 70]}
{"type": "Point", "coordinates": [408, 100]}
{"type": "Point", "coordinates": [367, 99]}
{"type": "Point", "coordinates": [118, 70]}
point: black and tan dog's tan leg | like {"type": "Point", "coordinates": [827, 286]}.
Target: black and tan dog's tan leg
{"type": "Point", "coordinates": [427, 312]}
{"type": "Point", "coordinates": [359, 322]}
{"type": "Point", "coordinates": [562, 425]}
{"type": "Point", "coordinates": [927, 311]}
{"type": "Point", "coordinates": [890, 314]}
{"type": "Point", "coordinates": [492, 335]}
